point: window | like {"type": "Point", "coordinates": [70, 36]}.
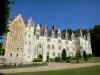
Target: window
{"type": "Point", "coordinates": [48, 46]}
{"type": "Point", "coordinates": [37, 37]}
{"type": "Point", "coordinates": [38, 30]}
{"type": "Point", "coordinates": [21, 49]}
{"type": "Point", "coordinates": [39, 45]}
{"type": "Point", "coordinates": [66, 42]}
{"type": "Point", "coordinates": [67, 48]}
{"type": "Point", "coordinates": [85, 43]}
{"type": "Point", "coordinates": [48, 39]}
{"type": "Point", "coordinates": [59, 47]}
{"type": "Point", "coordinates": [17, 49]}
{"type": "Point", "coordinates": [20, 24]}
{"type": "Point", "coordinates": [59, 41]}
{"type": "Point", "coordinates": [25, 34]}
{"type": "Point", "coordinates": [29, 35]}
{"type": "Point", "coordinates": [13, 32]}
{"type": "Point", "coordinates": [12, 41]}
{"type": "Point", "coordinates": [52, 34]}
{"type": "Point", "coordinates": [19, 33]}
{"type": "Point", "coordinates": [58, 54]}
{"type": "Point", "coordinates": [73, 48]}
{"type": "Point", "coordinates": [10, 54]}
{"type": "Point", "coordinates": [58, 34]}
{"type": "Point", "coordinates": [30, 43]}
{"type": "Point", "coordinates": [17, 41]}
{"type": "Point", "coordinates": [47, 53]}
{"type": "Point", "coordinates": [16, 55]}
{"type": "Point", "coordinates": [53, 53]}
{"type": "Point", "coordinates": [25, 42]}
{"type": "Point", "coordinates": [29, 28]}
{"type": "Point", "coordinates": [73, 43]}
{"type": "Point", "coordinates": [52, 46]}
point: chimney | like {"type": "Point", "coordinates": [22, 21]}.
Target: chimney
{"type": "Point", "coordinates": [53, 28]}
{"type": "Point", "coordinates": [44, 27]}
{"type": "Point", "coordinates": [80, 30]}
{"type": "Point", "coordinates": [40, 26]}
{"type": "Point", "coordinates": [47, 28]}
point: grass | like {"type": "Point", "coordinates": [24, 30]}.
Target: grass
{"type": "Point", "coordinates": [24, 66]}
{"type": "Point", "coordinates": [91, 60]}
{"type": "Point", "coordinates": [93, 70]}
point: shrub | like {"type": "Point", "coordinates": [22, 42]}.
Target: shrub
{"type": "Point", "coordinates": [37, 60]}
{"type": "Point", "coordinates": [63, 55]}
{"type": "Point", "coordinates": [68, 59]}
{"type": "Point", "coordinates": [50, 59]}
{"type": "Point", "coordinates": [90, 55]}
{"type": "Point", "coordinates": [57, 59]}
{"type": "Point", "coordinates": [85, 56]}
{"type": "Point", "coordinates": [74, 58]}
{"type": "Point", "coordinates": [47, 58]}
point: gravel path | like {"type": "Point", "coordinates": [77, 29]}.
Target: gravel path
{"type": "Point", "coordinates": [50, 66]}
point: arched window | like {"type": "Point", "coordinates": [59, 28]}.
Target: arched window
{"type": "Point", "coordinates": [39, 45]}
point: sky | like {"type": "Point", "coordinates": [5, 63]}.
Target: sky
{"type": "Point", "coordinates": [63, 14]}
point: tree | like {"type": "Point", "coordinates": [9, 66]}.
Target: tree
{"type": "Point", "coordinates": [95, 39]}
{"type": "Point", "coordinates": [4, 27]}
{"type": "Point", "coordinates": [63, 55]}
{"type": "Point", "coordinates": [85, 55]}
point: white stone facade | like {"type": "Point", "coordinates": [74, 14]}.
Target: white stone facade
{"type": "Point", "coordinates": [41, 40]}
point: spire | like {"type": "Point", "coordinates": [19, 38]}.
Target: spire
{"type": "Point", "coordinates": [66, 34]}
{"type": "Point", "coordinates": [30, 22]}
{"type": "Point", "coordinates": [72, 36]}
{"type": "Point", "coordinates": [80, 32]}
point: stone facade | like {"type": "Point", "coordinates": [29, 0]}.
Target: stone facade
{"type": "Point", "coordinates": [25, 41]}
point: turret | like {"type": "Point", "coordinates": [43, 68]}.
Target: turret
{"type": "Point", "coordinates": [30, 22]}
{"type": "Point", "coordinates": [59, 33]}
{"type": "Point", "coordinates": [66, 35]}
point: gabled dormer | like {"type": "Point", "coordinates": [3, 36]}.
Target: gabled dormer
{"type": "Point", "coordinates": [45, 31]}
{"type": "Point", "coordinates": [80, 33]}
{"type": "Point", "coordinates": [66, 35]}
{"type": "Point", "coordinates": [53, 31]}
{"type": "Point", "coordinates": [72, 36]}
{"type": "Point", "coordinates": [84, 37]}
{"type": "Point", "coordinates": [88, 36]}
{"type": "Point", "coordinates": [30, 22]}
{"type": "Point", "coordinates": [38, 30]}
{"type": "Point", "coordinates": [59, 33]}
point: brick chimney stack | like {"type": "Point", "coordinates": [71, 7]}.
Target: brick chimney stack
{"type": "Point", "coordinates": [53, 28]}
{"type": "Point", "coordinates": [80, 30]}
{"type": "Point", "coordinates": [41, 26]}
{"type": "Point", "coordinates": [44, 27]}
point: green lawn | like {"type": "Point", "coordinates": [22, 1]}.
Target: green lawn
{"type": "Point", "coordinates": [24, 66]}
{"type": "Point", "coordinates": [93, 70]}
{"type": "Point", "coordinates": [91, 60]}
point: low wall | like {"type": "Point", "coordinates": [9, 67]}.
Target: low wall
{"type": "Point", "coordinates": [2, 59]}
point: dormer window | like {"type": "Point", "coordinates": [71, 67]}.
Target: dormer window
{"type": "Point", "coordinates": [58, 34]}
{"type": "Point", "coordinates": [29, 35]}
{"type": "Point", "coordinates": [37, 37]}
{"type": "Point", "coordinates": [48, 39]}
{"type": "Point", "coordinates": [38, 30]}
{"type": "Point", "coordinates": [29, 28]}
{"type": "Point", "coordinates": [59, 41]}
{"type": "Point", "coordinates": [19, 33]}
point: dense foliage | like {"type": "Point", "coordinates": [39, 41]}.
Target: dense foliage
{"type": "Point", "coordinates": [95, 37]}
{"type": "Point", "coordinates": [63, 55]}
